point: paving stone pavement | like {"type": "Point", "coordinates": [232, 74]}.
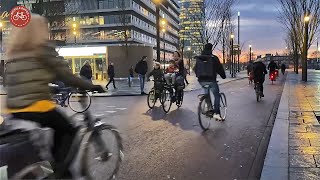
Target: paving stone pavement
{"type": "Point", "coordinates": [303, 138]}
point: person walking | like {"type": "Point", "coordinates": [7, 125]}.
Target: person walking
{"type": "Point", "coordinates": [185, 75]}
{"type": "Point", "coordinates": [283, 68]}
{"type": "Point", "coordinates": [142, 69]}
{"type": "Point", "coordinates": [111, 75]}
{"type": "Point", "coordinates": [86, 72]}
{"type": "Point", "coordinates": [130, 76]}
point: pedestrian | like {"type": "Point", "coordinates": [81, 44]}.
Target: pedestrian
{"type": "Point", "coordinates": [185, 75]}
{"type": "Point", "coordinates": [111, 75]}
{"type": "Point", "coordinates": [283, 68]}
{"type": "Point", "coordinates": [142, 69]}
{"type": "Point", "coordinates": [130, 76]}
{"type": "Point", "coordinates": [86, 72]}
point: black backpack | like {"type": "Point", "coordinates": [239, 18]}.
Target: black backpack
{"type": "Point", "coordinates": [204, 67]}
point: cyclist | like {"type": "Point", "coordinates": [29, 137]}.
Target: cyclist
{"type": "Point", "coordinates": [208, 76]}
{"type": "Point", "coordinates": [272, 67]}
{"type": "Point", "coordinates": [33, 64]}
{"type": "Point", "coordinates": [259, 72]}
{"type": "Point", "coordinates": [158, 76]}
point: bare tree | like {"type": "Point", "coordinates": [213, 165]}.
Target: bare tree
{"type": "Point", "coordinates": [208, 23]}
{"type": "Point", "coordinates": [291, 15]}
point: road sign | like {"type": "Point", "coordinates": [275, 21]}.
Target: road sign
{"type": "Point", "coordinates": [236, 46]}
{"type": "Point", "coordinates": [236, 52]}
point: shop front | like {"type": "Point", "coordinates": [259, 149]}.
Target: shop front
{"type": "Point", "coordinates": [78, 56]}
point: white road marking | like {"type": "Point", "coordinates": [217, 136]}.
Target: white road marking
{"type": "Point", "coordinates": [111, 106]}
{"type": "Point", "coordinates": [99, 115]}
{"type": "Point", "coordinates": [110, 111]}
{"type": "Point", "coordinates": [121, 108]}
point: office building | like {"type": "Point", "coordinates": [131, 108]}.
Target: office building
{"type": "Point", "coordinates": [106, 23]}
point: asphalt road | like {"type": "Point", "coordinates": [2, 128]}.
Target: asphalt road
{"type": "Point", "coordinates": [172, 146]}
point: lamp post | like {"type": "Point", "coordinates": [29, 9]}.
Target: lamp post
{"type": "Point", "coordinates": [318, 49]}
{"type": "Point", "coordinates": [305, 48]}
{"type": "Point", "coordinates": [238, 42]}
{"type": "Point", "coordinates": [74, 32]}
{"type": "Point", "coordinates": [163, 23]}
{"type": "Point", "coordinates": [164, 48]}
{"type": "Point", "coordinates": [158, 3]}
{"type": "Point", "coordinates": [189, 49]}
{"type": "Point", "coordinates": [250, 49]}
{"type": "Point", "coordinates": [232, 57]}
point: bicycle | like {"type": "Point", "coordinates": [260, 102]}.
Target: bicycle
{"type": "Point", "coordinates": [206, 110]}
{"type": "Point", "coordinates": [155, 93]}
{"type": "Point", "coordinates": [257, 87]}
{"type": "Point", "coordinates": [63, 95]}
{"type": "Point", "coordinates": [167, 96]}
{"type": "Point", "coordinates": [88, 142]}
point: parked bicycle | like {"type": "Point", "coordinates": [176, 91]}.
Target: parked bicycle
{"type": "Point", "coordinates": [99, 146]}
{"type": "Point", "coordinates": [68, 97]}
{"type": "Point", "coordinates": [205, 108]}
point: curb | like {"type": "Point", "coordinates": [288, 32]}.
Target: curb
{"type": "Point", "coordinates": [276, 164]}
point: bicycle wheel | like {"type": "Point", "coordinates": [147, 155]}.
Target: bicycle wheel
{"type": "Point", "coordinates": [103, 155]}
{"type": "Point", "coordinates": [180, 98]}
{"type": "Point", "coordinates": [74, 102]}
{"type": "Point", "coordinates": [151, 98]}
{"type": "Point", "coordinates": [223, 106]}
{"type": "Point", "coordinates": [166, 100]}
{"type": "Point", "coordinates": [204, 119]}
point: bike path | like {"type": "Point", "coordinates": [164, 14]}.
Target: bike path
{"type": "Point", "coordinates": [173, 146]}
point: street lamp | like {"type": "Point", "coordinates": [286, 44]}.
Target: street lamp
{"type": "Point", "coordinates": [250, 49]}
{"type": "Point", "coordinates": [164, 47]}
{"type": "Point", "coordinates": [232, 57]}
{"type": "Point", "coordinates": [158, 3]}
{"type": "Point", "coordinates": [238, 41]}
{"type": "Point", "coordinates": [305, 48]}
{"type": "Point", "coordinates": [189, 49]}
{"type": "Point", "coordinates": [74, 32]}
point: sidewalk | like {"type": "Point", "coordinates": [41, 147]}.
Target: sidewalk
{"type": "Point", "coordinates": [123, 88]}
{"type": "Point", "coordinates": [294, 148]}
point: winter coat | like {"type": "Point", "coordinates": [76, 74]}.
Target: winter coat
{"type": "Point", "coordinates": [86, 71]}
{"type": "Point", "coordinates": [217, 68]}
{"type": "Point", "coordinates": [111, 71]}
{"type": "Point", "coordinates": [141, 67]}
{"type": "Point", "coordinates": [29, 73]}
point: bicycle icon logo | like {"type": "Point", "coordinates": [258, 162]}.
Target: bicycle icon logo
{"type": "Point", "coordinates": [20, 16]}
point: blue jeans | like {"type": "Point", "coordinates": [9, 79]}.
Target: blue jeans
{"type": "Point", "coordinates": [214, 87]}
{"type": "Point", "coordinates": [142, 79]}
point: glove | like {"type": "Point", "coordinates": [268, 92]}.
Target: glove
{"type": "Point", "coordinates": [98, 88]}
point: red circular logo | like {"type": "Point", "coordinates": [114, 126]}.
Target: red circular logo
{"type": "Point", "coordinates": [20, 16]}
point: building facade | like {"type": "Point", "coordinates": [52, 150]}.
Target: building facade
{"type": "Point", "coordinates": [123, 23]}
{"type": "Point", "coordinates": [190, 24]}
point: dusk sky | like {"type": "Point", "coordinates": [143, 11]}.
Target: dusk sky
{"type": "Point", "coordinates": [260, 26]}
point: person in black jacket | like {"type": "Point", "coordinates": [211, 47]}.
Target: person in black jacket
{"type": "Point", "coordinates": [142, 69]}
{"type": "Point", "coordinates": [111, 75]}
{"type": "Point", "coordinates": [259, 72]}
{"type": "Point", "coordinates": [86, 72]}
{"type": "Point", "coordinates": [272, 66]}
{"type": "Point", "coordinates": [209, 76]}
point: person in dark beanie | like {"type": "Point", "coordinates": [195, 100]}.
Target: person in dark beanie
{"type": "Point", "coordinates": [86, 72]}
{"type": "Point", "coordinates": [142, 69]}
{"type": "Point", "coordinates": [208, 76]}
{"type": "Point", "coordinates": [111, 75]}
